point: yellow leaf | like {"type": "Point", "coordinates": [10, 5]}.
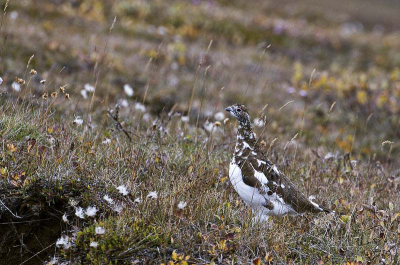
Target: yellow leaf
{"type": "Point", "coordinates": [223, 179]}
{"type": "Point", "coordinates": [382, 100]}
{"type": "Point", "coordinates": [11, 148]}
{"type": "Point", "coordinates": [152, 53]}
{"type": "Point", "coordinates": [340, 180]}
{"type": "Point", "coordinates": [3, 171]}
{"type": "Point", "coordinates": [268, 257]}
{"type": "Point", "coordinates": [174, 255]}
{"type": "Point", "coordinates": [257, 261]}
{"type": "Point", "coordinates": [187, 257]}
{"type": "Point", "coordinates": [50, 130]}
{"type": "Point", "coordinates": [345, 218]}
{"type": "Point", "coordinates": [362, 97]}
{"type": "Point", "coordinates": [184, 263]}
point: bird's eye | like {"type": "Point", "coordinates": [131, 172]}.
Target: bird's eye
{"type": "Point", "coordinates": [238, 110]}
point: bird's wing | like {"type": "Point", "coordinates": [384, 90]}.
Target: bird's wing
{"type": "Point", "coordinates": [254, 179]}
{"type": "Point", "coordinates": [277, 183]}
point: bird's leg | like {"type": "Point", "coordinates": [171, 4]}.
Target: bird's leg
{"type": "Point", "coordinates": [259, 216]}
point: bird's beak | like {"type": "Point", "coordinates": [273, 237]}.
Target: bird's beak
{"type": "Point", "coordinates": [228, 109]}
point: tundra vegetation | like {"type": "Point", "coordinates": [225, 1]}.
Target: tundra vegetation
{"type": "Point", "coordinates": [115, 148]}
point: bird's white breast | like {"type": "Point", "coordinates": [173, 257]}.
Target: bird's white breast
{"type": "Point", "coordinates": [253, 197]}
{"type": "Point", "coordinates": [249, 194]}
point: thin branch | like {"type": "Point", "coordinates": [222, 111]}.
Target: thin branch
{"type": "Point", "coordinates": [16, 216]}
{"type": "Point", "coordinates": [118, 124]}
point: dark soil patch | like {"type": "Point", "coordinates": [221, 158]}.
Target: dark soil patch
{"type": "Point", "coordinates": [31, 238]}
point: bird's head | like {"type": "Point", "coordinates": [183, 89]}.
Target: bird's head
{"type": "Point", "coordinates": [240, 113]}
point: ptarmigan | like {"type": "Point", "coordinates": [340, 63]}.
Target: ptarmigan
{"type": "Point", "coordinates": [258, 181]}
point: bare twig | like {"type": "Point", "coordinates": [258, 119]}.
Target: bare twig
{"type": "Point", "coordinates": [16, 216]}
{"type": "Point", "coordinates": [118, 124]}
{"type": "Point", "coordinates": [37, 253]}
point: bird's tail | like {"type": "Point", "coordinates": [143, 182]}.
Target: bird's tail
{"type": "Point", "coordinates": [320, 208]}
{"type": "Point", "coordinates": [325, 209]}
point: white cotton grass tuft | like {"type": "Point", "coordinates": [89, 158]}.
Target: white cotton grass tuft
{"type": "Point", "coordinates": [99, 230]}
{"type": "Point", "coordinates": [210, 127]}
{"type": "Point", "coordinates": [108, 199]}
{"type": "Point", "coordinates": [128, 90]}
{"type": "Point", "coordinates": [185, 119]}
{"type": "Point", "coordinates": [89, 88]}
{"type": "Point", "coordinates": [94, 244]}
{"type": "Point", "coordinates": [124, 103]}
{"type": "Point", "coordinates": [53, 261]}
{"type": "Point", "coordinates": [78, 121]}
{"type": "Point", "coordinates": [16, 87]}
{"type": "Point", "coordinates": [118, 208]}
{"type": "Point", "coordinates": [63, 242]}
{"type": "Point", "coordinates": [259, 122]}
{"type": "Point", "coordinates": [84, 94]}
{"type": "Point", "coordinates": [152, 195]}
{"type": "Point", "coordinates": [13, 15]}
{"type": "Point", "coordinates": [51, 140]}
{"type": "Point", "coordinates": [330, 155]}
{"type": "Point", "coordinates": [140, 107]}
{"type": "Point", "coordinates": [219, 116]}
{"type": "Point", "coordinates": [147, 117]}
{"type": "Point", "coordinates": [91, 211]}
{"type": "Point", "coordinates": [138, 200]}
{"type": "Point", "coordinates": [387, 143]}
{"type": "Point", "coordinates": [64, 218]}
{"type": "Point", "coordinates": [106, 141]}
{"type": "Point", "coordinates": [80, 212]}
{"type": "Point", "coordinates": [182, 205]}
{"type": "Point", "coordinates": [122, 190]}
{"type": "Point", "coordinates": [1, 80]}
{"type": "Point", "coordinates": [73, 202]}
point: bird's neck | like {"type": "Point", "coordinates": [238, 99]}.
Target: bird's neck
{"type": "Point", "coordinates": [246, 134]}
